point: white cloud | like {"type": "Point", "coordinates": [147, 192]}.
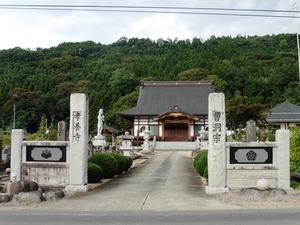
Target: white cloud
{"type": "Point", "coordinates": [159, 26]}
{"type": "Point", "coordinates": [34, 28]}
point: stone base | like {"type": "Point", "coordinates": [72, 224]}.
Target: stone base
{"type": "Point", "coordinates": [72, 189]}
{"type": "Point", "coordinates": [215, 190]}
{"type": "Point", "coordinates": [99, 142]}
{"type": "Point", "coordinates": [5, 197]}
{"type": "Point", "coordinates": [128, 153]}
{"type": "Point", "coordinates": [262, 194]}
{"type": "Point", "coordinates": [146, 151]}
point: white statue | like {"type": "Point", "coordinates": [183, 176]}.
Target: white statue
{"type": "Point", "coordinates": [100, 123]}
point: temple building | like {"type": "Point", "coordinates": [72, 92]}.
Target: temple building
{"type": "Point", "coordinates": [170, 110]}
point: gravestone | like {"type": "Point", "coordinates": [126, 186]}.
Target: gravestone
{"type": "Point", "coordinates": [6, 154]}
{"type": "Point", "coordinates": [251, 131]}
{"type": "Point", "coordinates": [62, 131]}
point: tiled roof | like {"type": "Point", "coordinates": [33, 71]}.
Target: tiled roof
{"type": "Point", "coordinates": [285, 112]}
{"type": "Point", "coordinates": [159, 97]}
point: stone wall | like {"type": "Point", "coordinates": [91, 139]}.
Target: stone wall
{"type": "Point", "coordinates": [239, 175]}
{"type": "Point", "coordinates": [50, 174]}
{"type": "Point", "coordinates": [246, 175]}
{"type": "Point", "coordinates": [45, 170]}
{"type": "Point", "coordinates": [55, 163]}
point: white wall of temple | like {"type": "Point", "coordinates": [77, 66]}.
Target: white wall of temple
{"type": "Point", "coordinates": [140, 124]}
{"type": "Point", "coordinates": [160, 129]}
{"type": "Point", "coordinates": [192, 130]}
{"type": "Point", "coordinates": [142, 121]}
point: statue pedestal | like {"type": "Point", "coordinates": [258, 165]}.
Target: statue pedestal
{"type": "Point", "coordinates": [99, 141]}
{"type": "Point", "coordinates": [147, 150]}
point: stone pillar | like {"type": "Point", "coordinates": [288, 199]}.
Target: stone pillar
{"type": "Point", "coordinates": [78, 142]}
{"type": "Point", "coordinates": [283, 141]}
{"type": "Point", "coordinates": [16, 154]}
{"type": "Point", "coordinates": [217, 139]}
{"type": "Point", "coordinates": [251, 131]}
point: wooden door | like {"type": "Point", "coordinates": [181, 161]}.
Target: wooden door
{"type": "Point", "coordinates": [176, 132]}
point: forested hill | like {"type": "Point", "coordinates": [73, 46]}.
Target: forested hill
{"type": "Point", "coordinates": [261, 69]}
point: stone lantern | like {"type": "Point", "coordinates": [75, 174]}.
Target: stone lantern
{"type": "Point", "coordinates": [126, 144]}
{"type": "Point", "coordinates": [147, 148]}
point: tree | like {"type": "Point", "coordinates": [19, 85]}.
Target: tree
{"type": "Point", "coordinates": [219, 83]}
{"type": "Point", "coordinates": [121, 83]}
{"type": "Point", "coordinates": [45, 131]}
{"type": "Point", "coordinates": [193, 74]}
{"type": "Point", "coordinates": [123, 103]}
{"type": "Point", "coordinates": [263, 68]}
{"type": "Point", "coordinates": [239, 110]}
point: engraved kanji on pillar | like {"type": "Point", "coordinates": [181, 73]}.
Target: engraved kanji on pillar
{"type": "Point", "coordinates": [77, 125]}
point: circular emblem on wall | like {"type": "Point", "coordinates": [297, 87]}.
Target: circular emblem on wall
{"type": "Point", "coordinates": [251, 155]}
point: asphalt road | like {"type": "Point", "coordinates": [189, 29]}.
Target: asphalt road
{"type": "Point", "coordinates": [167, 181]}
{"type": "Point", "coordinates": [163, 190]}
{"type": "Point", "coordinates": [219, 217]}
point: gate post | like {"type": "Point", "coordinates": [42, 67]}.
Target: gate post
{"type": "Point", "coordinates": [283, 141]}
{"type": "Point", "coordinates": [17, 137]}
{"type": "Point", "coordinates": [217, 143]}
{"type": "Point", "coordinates": [79, 117]}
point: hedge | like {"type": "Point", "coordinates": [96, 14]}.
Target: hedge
{"type": "Point", "coordinates": [95, 173]}
{"type": "Point", "coordinates": [122, 164]}
{"type": "Point", "coordinates": [129, 162]}
{"type": "Point", "coordinates": [106, 162]}
{"type": "Point", "coordinates": [204, 152]}
{"type": "Point", "coordinates": [201, 163]}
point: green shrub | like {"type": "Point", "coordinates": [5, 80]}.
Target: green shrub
{"type": "Point", "coordinates": [205, 174]}
{"type": "Point", "coordinates": [94, 173]}
{"type": "Point", "coordinates": [121, 162]}
{"type": "Point", "coordinates": [201, 164]}
{"type": "Point", "coordinates": [129, 162]}
{"type": "Point", "coordinates": [107, 163]}
{"type": "Point", "coordinates": [5, 139]}
{"type": "Point", "coordinates": [295, 184]}
{"type": "Point", "coordinates": [295, 149]}
{"type": "Point", "coordinates": [204, 152]}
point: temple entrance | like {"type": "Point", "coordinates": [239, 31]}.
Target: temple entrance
{"type": "Point", "coordinates": [176, 132]}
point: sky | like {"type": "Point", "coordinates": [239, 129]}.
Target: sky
{"type": "Point", "coordinates": [33, 29]}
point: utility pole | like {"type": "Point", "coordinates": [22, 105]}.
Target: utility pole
{"type": "Point", "coordinates": [298, 55]}
{"type": "Point", "coordinates": [14, 122]}
{"type": "Point", "coordinates": [295, 8]}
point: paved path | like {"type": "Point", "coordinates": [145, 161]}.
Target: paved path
{"type": "Point", "coordinates": [167, 181]}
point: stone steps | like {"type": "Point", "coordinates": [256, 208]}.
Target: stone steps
{"type": "Point", "coordinates": [176, 145]}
